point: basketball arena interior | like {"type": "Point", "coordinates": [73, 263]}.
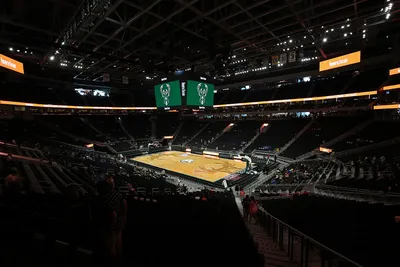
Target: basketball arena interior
{"type": "Point", "coordinates": [229, 133]}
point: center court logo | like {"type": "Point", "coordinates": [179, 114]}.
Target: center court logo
{"type": "Point", "coordinates": [187, 161]}
{"type": "Point", "coordinates": [202, 90]}
{"type": "Point", "coordinates": [165, 90]}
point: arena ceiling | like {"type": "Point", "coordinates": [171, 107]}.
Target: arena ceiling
{"type": "Point", "coordinates": [145, 38]}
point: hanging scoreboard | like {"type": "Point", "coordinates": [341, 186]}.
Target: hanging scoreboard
{"type": "Point", "coordinates": [190, 91]}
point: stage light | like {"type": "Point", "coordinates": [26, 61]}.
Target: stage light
{"type": "Point", "coordinates": [325, 39]}
{"type": "Point", "coordinates": [51, 58]}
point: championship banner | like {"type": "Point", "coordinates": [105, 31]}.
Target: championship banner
{"type": "Point", "coordinates": [11, 64]}
{"type": "Point", "coordinates": [292, 56]}
{"type": "Point", "coordinates": [341, 61]}
{"type": "Point", "coordinates": [283, 58]}
{"type": "Point", "coordinates": [394, 71]}
{"type": "Point", "coordinates": [274, 60]}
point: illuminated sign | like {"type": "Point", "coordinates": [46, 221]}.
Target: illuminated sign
{"type": "Point", "coordinates": [317, 98]}
{"type": "Point", "coordinates": [325, 150]}
{"type": "Point", "coordinates": [394, 71]}
{"type": "Point", "coordinates": [14, 103]}
{"type": "Point", "coordinates": [391, 87]}
{"type": "Point", "coordinates": [390, 106]}
{"type": "Point", "coordinates": [168, 137]}
{"type": "Point", "coordinates": [11, 64]}
{"type": "Point", "coordinates": [341, 61]}
{"type": "Point", "coordinates": [210, 153]}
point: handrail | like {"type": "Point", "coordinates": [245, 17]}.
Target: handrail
{"type": "Point", "coordinates": [311, 239]}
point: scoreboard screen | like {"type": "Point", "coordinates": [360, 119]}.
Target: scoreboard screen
{"type": "Point", "coordinates": [168, 95]}
{"type": "Point", "coordinates": [199, 94]}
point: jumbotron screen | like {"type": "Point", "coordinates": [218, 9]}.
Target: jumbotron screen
{"type": "Point", "coordinates": [168, 95]}
{"type": "Point", "coordinates": [200, 94]}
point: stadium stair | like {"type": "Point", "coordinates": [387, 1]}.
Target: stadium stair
{"type": "Point", "coordinates": [87, 122]}
{"type": "Point", "coordinates": [273, 255]}
{"type": "Point", "coordinates": [121, 124]}
{"type": "Point", "coordinates": [177, 132]}
{"type": "Point", "coordinates": [75, 137]}
{"type": "Point", "coordinates": [348, 133]}
{"type": "Point", "coordinates": [347, 85]}
{"type": "Point", "coordinates": [194, 136]}
{"type": "Point", "coordinates": [251, 141]}
{"type": "Point", "coordinates": [288, 144]}
{"type": "Point", "coordinates": [46, 178]}
{"type": "Point", "coordinates": [225, 130]}
{"type": "Point", "coordinates": [36, 187]}
{"type": "Point", "coordinates": [383, 144]}
{"type": "Point", "coordinates": [311, 90]}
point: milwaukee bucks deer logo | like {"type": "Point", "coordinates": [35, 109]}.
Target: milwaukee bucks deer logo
{"type": "Point", "coordinates": [202, 90]}
{"type": "Point", "coordinates": [165, 91]}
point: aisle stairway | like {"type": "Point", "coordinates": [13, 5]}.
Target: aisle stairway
{"type": "Point", "coordinates": [273, 255]}
{"type": "Point", "coordinates": [291, 141]}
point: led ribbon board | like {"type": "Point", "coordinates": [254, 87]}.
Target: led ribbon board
{"type": "Point", "coordinates": [317, 98]}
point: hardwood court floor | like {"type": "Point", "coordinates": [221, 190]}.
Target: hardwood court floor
{"type": "Point", "coordinates": [207, 168]}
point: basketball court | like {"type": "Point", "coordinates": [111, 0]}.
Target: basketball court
{"type": "Point", "coordinates": [200, 166]}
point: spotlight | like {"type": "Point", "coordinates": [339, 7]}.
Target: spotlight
{"type": "Point", "coordinates": [325, 39]}
{"type": "Point", "coordinates": [52, 58]}
{"type": "Point", "coordinates": [11, 49]}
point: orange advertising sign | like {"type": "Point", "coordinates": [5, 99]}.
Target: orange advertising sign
{"type": "Point", "coordinates": [341, 61]}
{"type": "Point", "coordinates": [391, 87]}
{"type": "Point", "coordinates": [394, 71]}
{"type": "Point", "coordinates": [11, 64]}
{"type": "Point", "coordinates": [389, 106]}
{"type": "Point", "coordinates": [325, 150]}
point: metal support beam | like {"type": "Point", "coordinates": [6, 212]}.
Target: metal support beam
{"type": "Point", "coordinates": [182, 26]}
{"type": "Point", "coordinates": [128, 23]}
{"type": "Point", "coordinates": [108, 13]}
{"type": "Point", "coordinates": [318, 46]}
{"type": "Point", "coordinates": [291, 24]}
{"type": "Point", "coordinates": [199, 13]}
{"type": "Point", "coordinates": [260, 24]}
{"type": "Point", "coordinates": [179, 10]}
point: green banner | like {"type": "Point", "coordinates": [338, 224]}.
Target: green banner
{"type": "Point", "coordinates": [168, 94]}
{"type": "Point", "coordinates": [200, 94]}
